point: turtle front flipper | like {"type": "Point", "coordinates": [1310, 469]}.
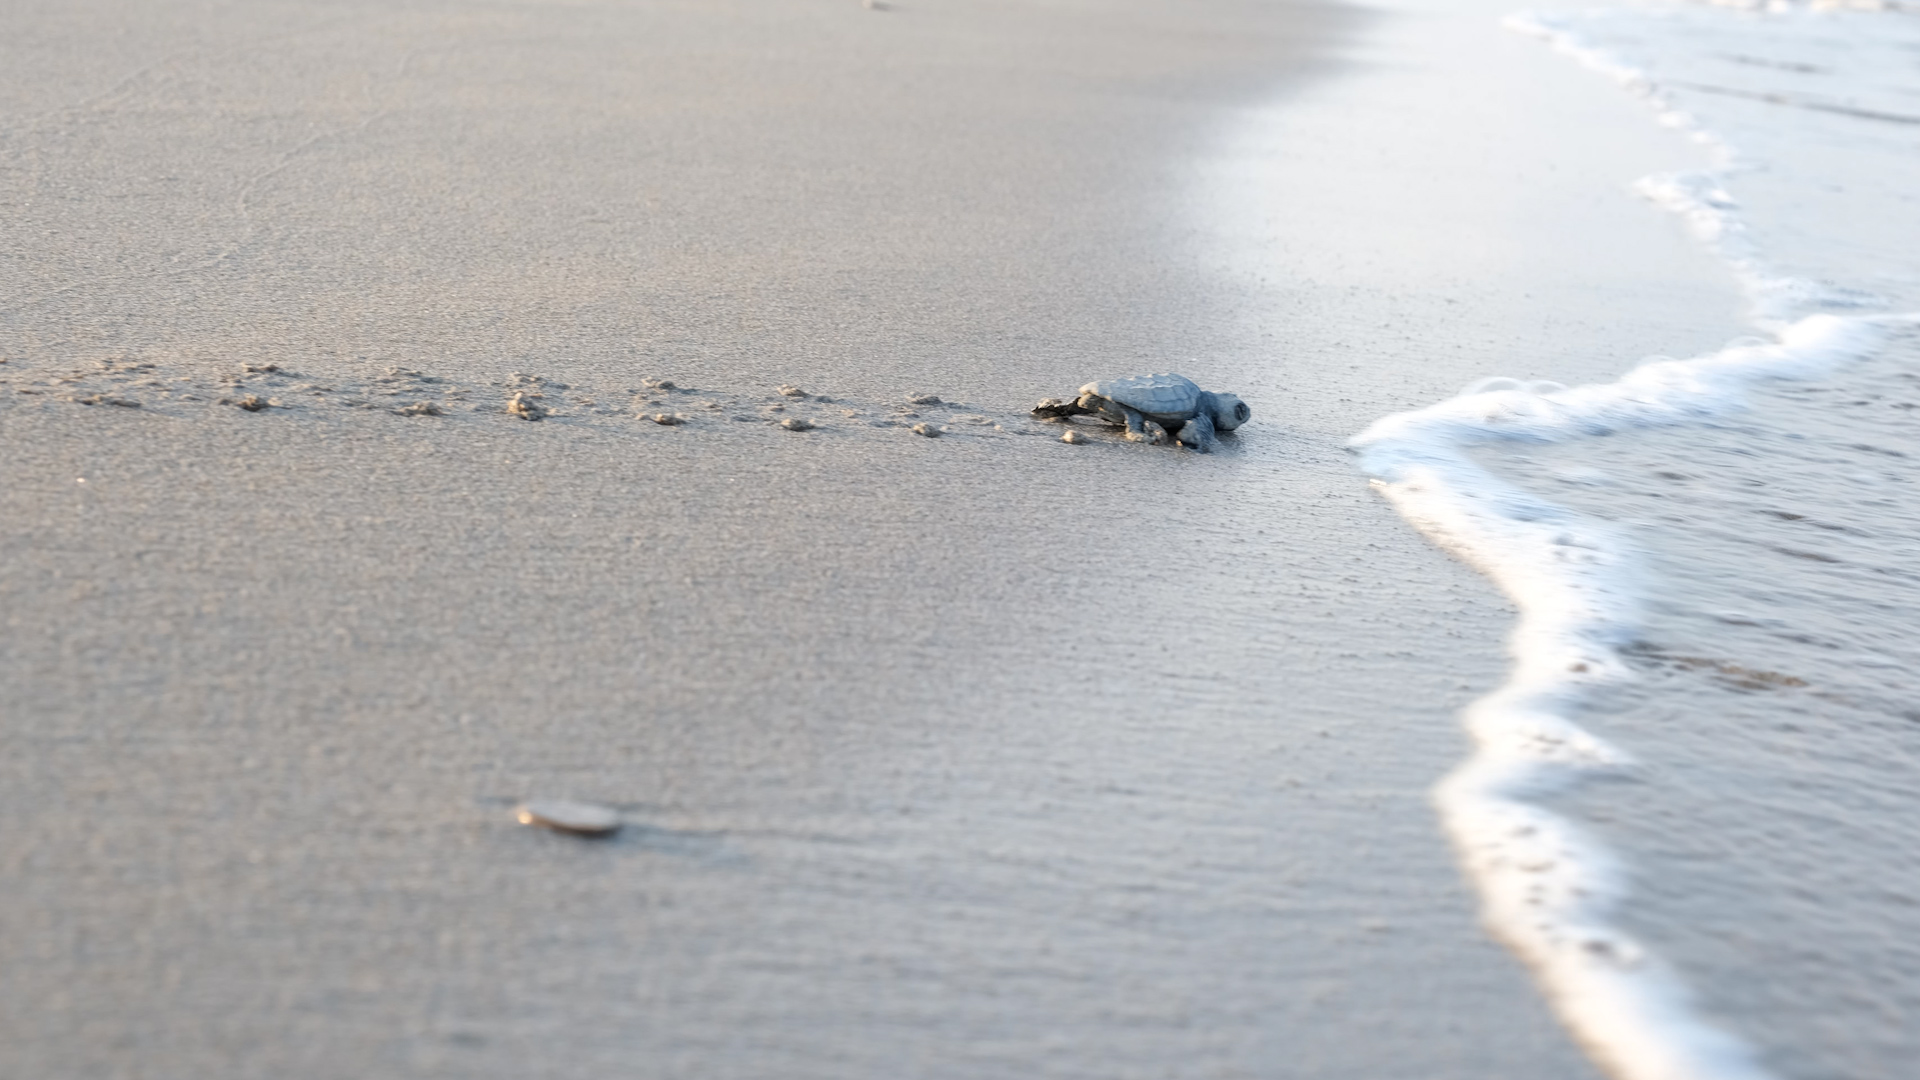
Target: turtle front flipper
{"type": "Point", "coordinates": [1197, 434]}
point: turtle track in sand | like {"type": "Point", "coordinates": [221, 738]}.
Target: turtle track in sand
{"type": "Point", "coordinates": [658, 407]}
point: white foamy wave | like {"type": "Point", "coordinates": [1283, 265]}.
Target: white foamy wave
{"type": "Point", "coordinates": [1547, 889]}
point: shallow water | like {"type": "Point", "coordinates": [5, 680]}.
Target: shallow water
{"type": "Point", "coordinates": [1768, 823]}
{"type": "Point", "coordinates": [1712, 585]}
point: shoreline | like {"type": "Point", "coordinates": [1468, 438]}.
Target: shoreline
{"type": "Point", "coordinates": [1640, 587]}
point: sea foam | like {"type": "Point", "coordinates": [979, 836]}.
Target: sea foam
{"type": "Point", "coordinates": [1548, 889]}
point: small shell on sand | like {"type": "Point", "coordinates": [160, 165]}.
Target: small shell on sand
{"type": "Point", "coordinates": [526, 408]}
{"type": "Point", "coordinates": [578, 819]}
{"type": "Point", "coordinates": [659, 384]}
{"type": "Point", "coordinates": [794, 423]}
{"type": "Point", "coordinates": [925, 399]}
{"type": "Point", "coordinates": [420, 408]}
{"type": "Point", "coordinates": [667, 419]}
{"type": "Point", "coordinates": [792, 391]}
{"type": "Point", "coordinates": [1073, 437]}
{"type": "Point", "coordinates": [926, 429]}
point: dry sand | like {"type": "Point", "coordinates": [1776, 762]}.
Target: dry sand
{"type": "Point", "coordinates": [981, 756]}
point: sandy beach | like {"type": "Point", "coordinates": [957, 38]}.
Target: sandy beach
{"type": "Point", "coordinates": [977, 755]}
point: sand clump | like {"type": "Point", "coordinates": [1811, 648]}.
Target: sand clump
{"type": "Point", "coordinates": [527, 406]}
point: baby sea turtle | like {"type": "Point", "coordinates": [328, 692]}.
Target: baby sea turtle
{"type": "Point", "coordinates": [1154, 409]}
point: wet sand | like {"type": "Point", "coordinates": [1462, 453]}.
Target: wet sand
{"type": "Point", "coordinates": [978, 755]}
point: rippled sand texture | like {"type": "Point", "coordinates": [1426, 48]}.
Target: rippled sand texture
{"type": "Point", "coordinates": [983, 755]}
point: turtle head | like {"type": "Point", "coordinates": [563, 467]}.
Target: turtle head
{"type": "Point", "coordinates": [1228, 411]}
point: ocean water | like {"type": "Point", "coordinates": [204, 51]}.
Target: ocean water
{"type": "Point", "coordinates": [1692, 804]}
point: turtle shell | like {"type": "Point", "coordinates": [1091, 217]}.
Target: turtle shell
{"type": "Point", "coordinates": [1164, 395]}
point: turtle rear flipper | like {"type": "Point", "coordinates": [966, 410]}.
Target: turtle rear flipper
{"type": "Point", "coordinates": [1054, 408]}
{"type": "Point", "coordinates": [1139, 428]}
